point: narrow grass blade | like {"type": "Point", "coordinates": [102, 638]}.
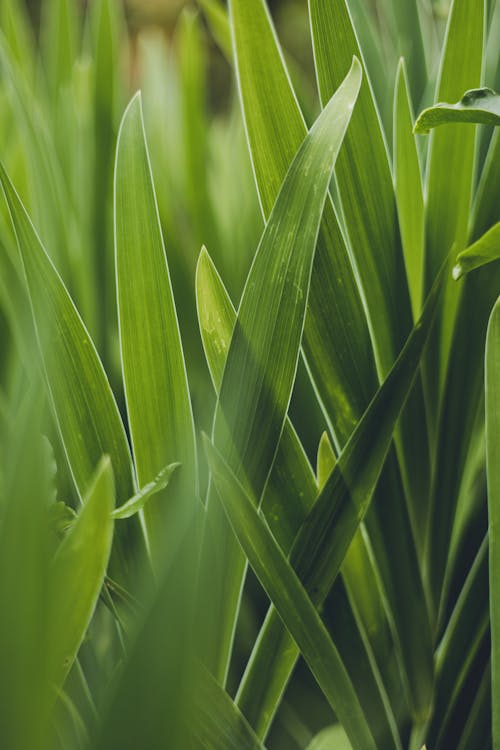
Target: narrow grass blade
{"type": "Point", "coordinates": [409, 191]}
{"type": "Point", "coordinates": [485, 250]}
{"type": "Point", "coordinates": [139, 500]}
{"type": "Point", "coordinates": [322, 542]}
{"type": "Point", "coordinates": [263, 354]}
{"type": "Point", "coordinates": [336, 339]}
{"type": "Point", "coordinates": [450, 171]}
{"type": "Point", "coordinates": [154, 374]}
{"type": "Point", "coordinates": [288, 595]}
{"type": "Point", "coordinates": [86, 412]}
{"type": "Point", "coordinates": [217, 722]}
{"type": "Point", "coordinates": [77, 573]}
{"type": "Point", "coordinates": [493, 464]}
{"type": "Point", "coordinates": [481, 106]}
{"type": "Point", "coordinates": [59, 34]}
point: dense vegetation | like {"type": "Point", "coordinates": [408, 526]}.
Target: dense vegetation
{"type": "Point", "coordinates": [250, 377]}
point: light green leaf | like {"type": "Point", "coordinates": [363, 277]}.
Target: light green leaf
{"type": "Point", "coordinates": [216, 720]}
{"type": "Point", "coordinates": [481, 106]}
{"type": "Point", "coordinates": [331, 738]}
{"type": "Point", "coordinates": [288, 595]}
{"type": "Point", "coordinates": [409, 192]}
{"type": "Point", "coordinates": [154, 374]}
{"type": "Point", "coordinates": [485, 250]}
{"type": "Point", "coordinates": [86, 411]}
{"type": "Point", "coordinates": [138, 501]}
{"type": "Point", "coordinates": [77, 573]}
{"type": "Point", "coordinates": [493, 471]}
{"type": "Point", "coordinates": [326, 460]}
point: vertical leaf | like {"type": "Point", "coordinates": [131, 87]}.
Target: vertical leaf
{"type": "Point", "coordinates": [154, 373]}
{"type": "Point", "coordinates": [493, 470]}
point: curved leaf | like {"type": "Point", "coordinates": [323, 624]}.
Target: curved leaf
{"type": "Point", "coordinates": [485, 250]}
{"type": "Point", "coordinates": [481, 106]}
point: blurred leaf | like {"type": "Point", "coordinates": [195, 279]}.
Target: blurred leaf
{"type": "Point", "coordinates": [493, 465]}
{"type": "Point", "coordinates": [264, 349]}
{"type": "Point", "coordinates": [288, 595]}
{"type": "Point", "coordinates": [480, 106]}
{"type": "Point", "coordinates": [217, 19]}
{"type": "Point", "coordinates": [59, 37]}
{"type": "Point", "coordinates": [154, 374]}
{"type": "Point", "coordinates": [485, 250]}
{"type": "Point", "coordinates": [77, 573]}
{"type": "Point", "coordinates": [409, 192]}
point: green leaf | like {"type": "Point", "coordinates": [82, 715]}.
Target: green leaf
{"type": "Point", "coordinates": [86, 411]}
{"type": "Point", "coordinates": [322, 542]}
{"type": "Point", "coordinates": [217, 19]}
{"type": "Point", "coordinates": [217, 722]}
{"type": "Point", "coordinates": [485, 250]}
{"type": "Point", "coordinates": [481, 106]}
{"type": "Point", "coordinates": [493, 464]}
{"type": "Point", "coordinates": [154, 373]}
{"type": "Point", "coordinates": [264, 349]}
{"type": "Point", "coordinates": [336, 339]}
{"type": "Point", "coordinates": [450, 173]}
{"type": "Point", "coordinates": [289, 495]}
{"type": "Point", "coordinates": [263, 354]}
{"type": "Point", "coordinates": [326, 460]}
{"type": "Point", "coordinates": [77, 573]}
{"type": "Point", "coordinates": [138, 501]}
{"type": "Point", "coordinates": [331, 738]}
{"type": "Point", "coordinates": [365, 188]}
{"type": "Point", "coordinates": [288, 595]}
{"type": "Point", "coordinates": [409, 192]}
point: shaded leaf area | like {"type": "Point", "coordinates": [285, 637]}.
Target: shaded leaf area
{"type": "Point", "coordinates": [480, 106]}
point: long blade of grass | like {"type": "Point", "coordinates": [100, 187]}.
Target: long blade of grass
{"type": "Point", "coordinates": [323, 540]}
{"type": "Point", "coordinates": [409, 191]}
{"type": "Point", "coordinates": [289, 495]}
{"type": "Point", "coordinates": [77, 573]}
{"type": "Point", "coordinates": [481, 106]}
{"type": "Point", "coordinates": [493, 463]}
{"type": "Point", "coordinates": [154, 373]}
{"type": "Point", "coordinates": [450, 172]}
{"type": "Point", "coordinates": [288, 595]}
{"type": "Point", "coordinates": [263, 355]}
